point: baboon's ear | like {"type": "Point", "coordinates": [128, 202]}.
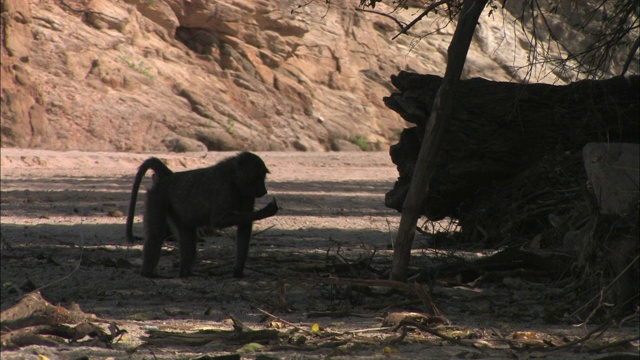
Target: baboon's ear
{"type": "Point", "coordinates": [248, 160]}
{"type": "Point", "coordinates": [243, 160]}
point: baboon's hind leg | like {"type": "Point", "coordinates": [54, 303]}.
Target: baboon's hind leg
{"type": "Point", "coordinates": [188, 243]}
{"type": "Point", "coordinates": [155, 224]}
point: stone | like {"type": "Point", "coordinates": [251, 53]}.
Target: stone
{"type": "Point", "coordinates": [16, 16]}
{"type": "Point", "coordinates": [613, 173]}
{"type": "Point", "coordinates": [103, 15]}
{"type": "Point", "coordinates": [176, 143]}
{"type": "Point", "coordinates": [344, 145]}
{"type": "Point", "coordinates": [158, 12]}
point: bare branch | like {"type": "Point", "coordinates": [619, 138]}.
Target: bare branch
{"type": "Point", "coordinates": [632, 52]}
{"type": "Point", "coordinates": [424, 13]}
{"type": "Point", "coordinates": [400, 24]}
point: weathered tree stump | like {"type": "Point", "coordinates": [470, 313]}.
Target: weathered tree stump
{"type": "Point", "coordinates": [499, 129]}
{"type": "Point", "coordinates": [511, 171]}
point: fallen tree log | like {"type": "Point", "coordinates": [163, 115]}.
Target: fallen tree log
{"type": "Point", "coordinates": [35, 321]}
{"type": "Point", "coordinates": [499, 129]}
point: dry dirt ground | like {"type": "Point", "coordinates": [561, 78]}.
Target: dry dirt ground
{"type": "Point", "coordinates": [63, 233]}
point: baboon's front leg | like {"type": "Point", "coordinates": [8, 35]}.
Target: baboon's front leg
{"type": "Point", "coordinates": [247, 215]}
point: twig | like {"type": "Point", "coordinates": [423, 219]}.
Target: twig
{"type": "Point", "coordinates": [601, 328]}
{"type": "Point", "coordinates": [390, 232]}
{"type": "Point", "coordinates": [369, 330]}
{"type": "Point", "coordinates": [261, 231]}
{"type": "Point", "coordinates": [613, 344]}
{"type": "Point", "coordinates": [607, 287]}
{"type": "Point", "coordinates": [433, 332]}
{"type": "Point", "coordinates": [400, 24]}
{"type": "Point", "coordinates": [635, 314]}
{"type": "Point", "coordinates": [419, 17]}
{"type": "Point", "coordinates": [632, 51]}
{"type": "Point", "coordinates": [285, 321]}
{"type": "Point", "coordinates": [429, 306]}
{"type": "Point", "coordinates": [72, 271]}
{"type": "Point", "coordinates": [353, 282]}
{"type": "Point", "coordinates": [416, 288]}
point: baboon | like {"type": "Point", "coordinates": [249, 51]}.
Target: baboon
{"type": "Point", "coordinates": [219, 196]}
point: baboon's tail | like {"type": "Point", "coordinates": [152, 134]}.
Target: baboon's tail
{"type": "Point", "coordinates": [160, 169]}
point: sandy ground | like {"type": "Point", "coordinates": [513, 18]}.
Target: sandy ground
{"type": "Point", "coordinates": [63, 233]}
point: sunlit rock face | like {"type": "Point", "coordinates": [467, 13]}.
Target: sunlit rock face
{"type": "Point", "coordinates": [188, 75]}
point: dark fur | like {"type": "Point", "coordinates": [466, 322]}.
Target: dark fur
{"type": "Point", "coordinates": [219, 196]}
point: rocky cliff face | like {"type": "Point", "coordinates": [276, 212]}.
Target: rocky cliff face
{"type": "Point", "coordinates": [179, 75]}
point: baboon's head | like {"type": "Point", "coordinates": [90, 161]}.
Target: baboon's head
{"type": "Point", "coordinates": [250, 175]}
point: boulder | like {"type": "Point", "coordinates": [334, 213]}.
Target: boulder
{"type": "Point", "coordinates": [175, 143]}
{"type": "Point", "coordinates": [614, 175]}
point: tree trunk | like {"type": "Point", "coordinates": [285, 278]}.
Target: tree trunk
{"type": "Point", "coordinates": [426, 164]}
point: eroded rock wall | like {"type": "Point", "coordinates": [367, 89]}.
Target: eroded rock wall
{"type": "Point", "coordinates": [157, 75]}
{"type": "Point", "coordinates": [142, 75]}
